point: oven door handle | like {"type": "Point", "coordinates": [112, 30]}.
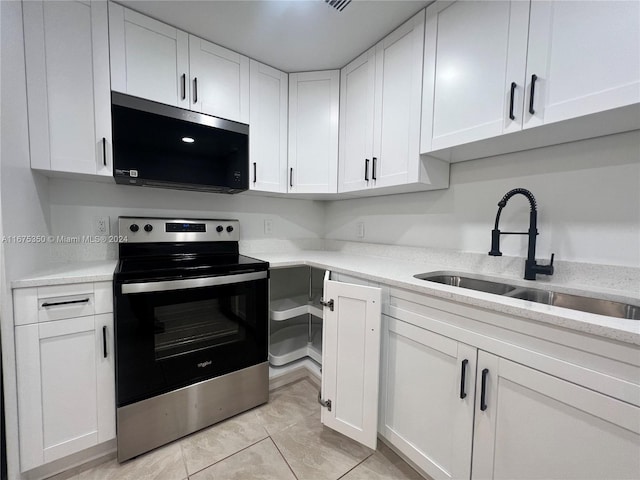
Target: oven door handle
{"type": "Point", "coordinates": [146, 287]}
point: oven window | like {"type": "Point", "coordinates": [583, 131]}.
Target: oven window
{"type": "Point", "coordinates": [192, 326]}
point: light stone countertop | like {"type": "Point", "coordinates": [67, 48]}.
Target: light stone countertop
{"type": "Point", "coordinates": [65, 273]}
{"type": "Point", "coordinates": [400, 274]}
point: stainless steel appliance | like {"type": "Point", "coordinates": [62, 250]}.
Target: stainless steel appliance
{"type": "Point", "coordinates": [159, 145]}
{"type": "Point", "coordinates": [191, 321]}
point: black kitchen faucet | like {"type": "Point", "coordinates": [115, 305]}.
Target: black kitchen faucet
{"type": "Point", "coordinates": [531, 268]}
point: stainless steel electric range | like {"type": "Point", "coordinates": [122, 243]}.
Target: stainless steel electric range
{"type": "Point", "coordinates": [191, 321]}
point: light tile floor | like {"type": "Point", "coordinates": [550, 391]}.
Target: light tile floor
{"type": "Point", "coordinates": [281, 440]}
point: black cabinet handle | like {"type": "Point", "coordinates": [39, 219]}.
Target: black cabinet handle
{"type": "Point", "coordinates": [291, 177]}
{"type": "Point", "coordinates": [195, 90]}
{"type": "Point", "coordinates": [373, 173]}
{"type": "Point", "coordinates": [255, 174]}
{"type": "Point", "coordinates": [104, 151]}
{"type": "Point", "coordinates": [463, 376]}
{"type": "Point", "coordinates": [483, 391]}
{"type": "Point", "coordinates": [104, 341]}
{"type": "Point", "coordinates": [366, 169]}
{"type": "Point", "coordinates": [184, 85]}
{"type": "Point", "coordinates": [68, 302]}
{"type": "Point", "coordinates": [534, 77]}
{"type": "Point", "coordinates": [513, 91]}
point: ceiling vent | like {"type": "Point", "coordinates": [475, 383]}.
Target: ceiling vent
{"type": "Point", "coordinates": [338, 4]}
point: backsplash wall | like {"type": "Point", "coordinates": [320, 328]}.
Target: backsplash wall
{"type": "Point", "coordinates": [75, 204]}
{"type": "Point", "coordinates": [588, 196]}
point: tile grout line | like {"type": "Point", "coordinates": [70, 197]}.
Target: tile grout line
{"type": "Point", "coordinates": [357, 465]}
{"type": "Point", "coordinates": [230, 455]}
{"type": "Point", "coordinates": [283, 457]}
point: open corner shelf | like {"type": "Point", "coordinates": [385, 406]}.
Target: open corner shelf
{"type": "Point", "coordinates": [291, 343]}
{"type": "Point", "coordinates": [290, 307]}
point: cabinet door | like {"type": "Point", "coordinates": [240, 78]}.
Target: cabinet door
{"type": "Point", "coordinates": [149, 59]}
{"type": "Point", "coordinates": [313, 132]}
{"type": "Point", "coordinates": [586, 57]}
{"type": "Point", "coordinates": [69, 102]}
{"type": "Point", "coordinates": [57, 389]}
{"type": "Point", "coordinates": [357, 82]}
{"type": "Point", "coordinates": [530, 425]}
{"type": "Point", "coordinates": [219, 81]}
{"type": "Point", "coordinates": [428, 398]}
{"type": "Point", "coordinates": [398, 89]}
{"type": "Point", "coordinates": [269, 89]}
{"type": "Point", "coordinates": [351, 360]}
{"type": "Point", "coordinates": [474, 53]}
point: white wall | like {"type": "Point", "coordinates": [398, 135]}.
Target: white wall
{"type": "Point", "coordinates": [588, 196]}
{"type": "Point", "coordinates": [75, 204]}
{"type": "Point", "coordinates": [23, 199]}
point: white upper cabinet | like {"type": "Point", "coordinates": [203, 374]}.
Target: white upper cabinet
{"type": "Point", "coordinates": [398, 87]}
{"type": "Point", "coordinates": [474, 53]}
{"type": "Point", "coordinates": [149, 59]}
{"type": "Point", "coordinates": [268, 119]}
{"type": "Point", "coordinates": [357, 84]}
{"type": "Point", "coordinates": [152, 60]}
{"type": "Point", "coordinates": [494, 68]}
{"type": "Point", "coordinates": [68, 94]}
{"type": "Point", "coordinates": [219, 81]}
{"type": "Point", "coordinates": [351, 360]}
{"type": "Point", "coordinates": [313, 131]}
{"type": "Point", "coordinates": [380, 105]}
{"type": "Point", "coordinates": [586, 57]}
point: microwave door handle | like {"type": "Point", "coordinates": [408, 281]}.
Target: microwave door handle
{"type": "Point", "coordinates": [148, 287]}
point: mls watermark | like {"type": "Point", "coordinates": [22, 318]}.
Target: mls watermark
{"type": "Point", "coordinates": [77, 239]}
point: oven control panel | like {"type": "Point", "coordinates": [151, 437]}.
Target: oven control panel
{"type": "Point", "coordinates": [153, 229]}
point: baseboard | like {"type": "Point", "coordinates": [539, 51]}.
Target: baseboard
{"type": "Point", "coordinates": [70, 466]}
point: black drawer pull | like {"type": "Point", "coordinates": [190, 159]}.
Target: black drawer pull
{"type": "Point", "coordinates": [513, 91]}
{"type": "Point", "coordinates": [534, 77]}
{"type": "Point", "coordinates": [483, 391]}
{"type": "Point", "coordinates": [184, 85]}
{"type": "Point", "coordinates": [373, 172]}
{"type": "Point", "coordinates": [104, 341]}
{"type": "Point", "coordinates": [291, 177]}
{"type": "Point", "coordinates": [255, 173]}
{"type": "Point", "coordinates": [366, 169]}
{"type": "Point", "coordinates": [104, 151]}
{"type": "Point", "coordinates": [463, 375]}
{"type": "Point", "coordinates": [68, 302]}
{"type": "Point", "coordinates": [195, 90]}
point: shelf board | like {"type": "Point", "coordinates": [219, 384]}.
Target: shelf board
{"type": "Point", "coordinates": [285, 308]}
{"type": "Point", "coordinates": [290, 344]}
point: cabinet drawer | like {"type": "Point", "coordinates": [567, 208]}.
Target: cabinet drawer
{"type": "Point", "coordinates": [44, 304]}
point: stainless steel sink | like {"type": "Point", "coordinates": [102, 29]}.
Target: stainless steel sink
{"type": "Point", "coordinates": [576, 302]}
{"type": "Point", "coordinates": [548, 297]}
{"type": "Point", "coordinates": [496, 288]}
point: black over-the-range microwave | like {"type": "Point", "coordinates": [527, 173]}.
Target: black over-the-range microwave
{"type": "Point", "coordinates": [160, 145]}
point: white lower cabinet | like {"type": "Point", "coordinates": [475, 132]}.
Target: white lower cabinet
{"type": "Point", "coordinates": [458, 411]}
{"type": "Point", "coordinates": [65, 378]}
{"type": "Point", "coordinates": [350, 360]}
{"type": "Point", "coordinates": [530, 425]}
{"type": "Point", "coordinates": [428, 385]}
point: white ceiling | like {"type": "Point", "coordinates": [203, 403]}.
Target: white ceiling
{"type": "Point", "coordinates": [291, 35]}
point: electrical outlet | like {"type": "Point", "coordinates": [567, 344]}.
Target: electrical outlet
{"type": "Point", "coordinates": [101, 225]}
{"type": "Point", "coordinates": [268, 227]}
{"type": "Point", "coordinates": [360, 230]}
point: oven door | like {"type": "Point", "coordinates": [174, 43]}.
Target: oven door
{"type": "Point", "coordinates": [170, 334]}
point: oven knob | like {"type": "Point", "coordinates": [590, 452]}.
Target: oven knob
{"type": "Point", "coordinates": [148, 227]}
{"type": "Point", "coordinates": [219, 229]}
{"type": "Point", "coordinates": [229, 229]}
{"type": "Point", "coordinates": [134, 227]}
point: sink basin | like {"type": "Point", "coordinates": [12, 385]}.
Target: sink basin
{"type": "Point", "coordinates": [576, 302]}
{"type": "Point", "coordinates": [547, 297]}
{"type": "Point", "coordinates": [487, 286]}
